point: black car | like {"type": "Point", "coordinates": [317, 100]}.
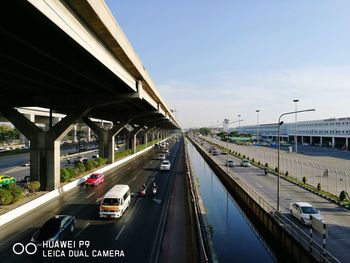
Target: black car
{"type": "Point", "coordinates": [56, 228]}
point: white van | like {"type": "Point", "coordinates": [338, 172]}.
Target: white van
{"type": "Point", "coordinates": [115, 201]}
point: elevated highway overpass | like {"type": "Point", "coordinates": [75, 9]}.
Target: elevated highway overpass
{"type": "Point", "coordinates": [72, 58]}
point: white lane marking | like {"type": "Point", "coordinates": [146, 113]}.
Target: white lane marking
{"type": "Point", "coordinates": [133, 179]}
{"type": "Point", "coordinates": [259, 185]}
{"type": "Point", "coordinates": [120, 232]}
{"type": "Point", "coordinates": [81, 230]}
{"type": "Point", "coordinates": [90, 195]}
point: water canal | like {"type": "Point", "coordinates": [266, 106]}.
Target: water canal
{"type": "Point", "coordinates": [233, 236]}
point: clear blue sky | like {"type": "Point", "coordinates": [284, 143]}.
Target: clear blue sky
{"type": "Point", "coordinates": [216, 59]}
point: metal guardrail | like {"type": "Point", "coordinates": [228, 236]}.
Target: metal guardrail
{"type": "Point", "coordinates": [318, 252]}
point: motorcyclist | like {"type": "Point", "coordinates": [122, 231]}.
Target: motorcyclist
{"type": "Point", "coordinates": [266, 171]}
{"type": "Point", "coordinates": [154, 185]}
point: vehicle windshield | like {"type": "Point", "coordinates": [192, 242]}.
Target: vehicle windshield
{"type": "Point", "coordinates": [111, 201]}
{"type": "Point", "coordinates": [49, 229]}
{"type": "Point", "coordinates": [309, 210]}
{"type": "Point", "coordinates": [165, 163]}
{"type": "Point", "coordinates": [94, 176]}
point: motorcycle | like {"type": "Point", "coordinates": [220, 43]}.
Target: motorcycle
{"type": "Point", "coordinates": [154, 191]}
{"type": "Point", "coordinates": [143, 191]}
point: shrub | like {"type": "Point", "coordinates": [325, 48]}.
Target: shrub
{"type": "Point", "coordinates": [319, 187]}
{"type": "Point", "coordinates": [253, 161]}
{"type": "Point", "coordinates": [89, 165]}
{"type": "Point", "coordinates": [286, 173]}
{"type": "Point", "coordinates": [342, 195]}
{"type": "Point", "coordinates": [239, 154]}
{"type": "Point", "coordinates": [96, 163]}
{"type": "Point", "coordinates": [33, 186]}
{"type": "Point", "coordinates": [81, 167]}
{"type": "Point", "coordinates": [6, 197]}
{"type": "Point", "coordinates": [304, 180]}
{"type": "Point", "coordinates": [248, 158]}
{"type": "Point", "coordinates": [102, 161]}
{"type": "Point", "coordinates": [17, 193]}
{"type": "Point", "coordinates": [259, 163]}
{"type": "Point", "coordinates": [72, 171]}
{"type": "Point", "coordinates": [266, 165]}
{"type": "Point", "coordinates": [276, 169]}
{"type": "Point", "coordinates": [65, 175]}
{"type": "Point", "coordinates": [243, 156]}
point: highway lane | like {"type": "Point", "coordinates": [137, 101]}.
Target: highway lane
{"type": "Point", "coordinates": [12, 164]}
{"type": "Point", "coordinates": [9, 161]}
{"type": "Point", "coordinates": [134, 233]}
{"type": "Point", "coordinates": [336, 217]}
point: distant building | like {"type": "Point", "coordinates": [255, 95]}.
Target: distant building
{"type": "Point", "coordinates": [333, 132]}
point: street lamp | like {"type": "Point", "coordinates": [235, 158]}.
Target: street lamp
{"type": "Point", "coordinates": [257, 126]}
{"type": "Point", "coordinates": [239, 123]}
{"type": "Point", "coordinates": [279, 123]}
{"type": "Point", "coordinates": [295, 130]}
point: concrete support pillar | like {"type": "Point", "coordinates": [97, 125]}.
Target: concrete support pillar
{"type": "Point", "coordinates": [22, 138]}
{"type": "Point", "coordinates": [347, 143]}
{"type": "Point", "coordinates": [302, 139]}
{"type": "Point", "coordinates": [45, 145]}
{"type": "Point", "coordinates": [145, 136]}
{"type": "Point", "coordinates": [133, 138]}
{"type": "Point", "coordinates": [321, 143]}
{"type": "Point", "coordinates": [106, 138]}
{"type": "Point", "coordinates": [310, 140]}
{"type": "Point", "coordinates": [75, 138]}
{"type": "Point", "coordinates": [88, 134]}
{"type": "Point", "coordinates": [333, 142]}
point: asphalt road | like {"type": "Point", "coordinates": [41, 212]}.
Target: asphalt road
{"type": "Point", "coordinates": [12, 164]}
{"type": "Point", "coordinates": [336, 217]}
{"type": "Point", "coordinates": [134, 233]}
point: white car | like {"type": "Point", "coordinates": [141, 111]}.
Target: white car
{"type": "Point", "coordinates": [161, 156]}
{"type": "Point", "coordinates": [245, 163]}
{"type": "Point", "coordinates": [230, 163]}
{"type": "Point", "coordinates": [302, 212]}
{"type": "Point", "coordinates": [165, 150]}
{"type": "Point", "coordinates": [165, 165]}
{"type": "Point", "coordinates": [26, 164]}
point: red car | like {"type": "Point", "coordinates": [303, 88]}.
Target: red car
{"type": "Point", "coordinates": [95, 179]}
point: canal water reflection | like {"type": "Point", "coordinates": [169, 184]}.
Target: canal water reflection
{"type": "Point", "coordinates": [234, 238]}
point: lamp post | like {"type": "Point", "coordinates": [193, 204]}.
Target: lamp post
{"type": "Point", "coordinates": [279, 123]}
{"type": "Point", "coordinates": [239, 123]}
{"type": "Point", "coordinates": [257, 126]}
{"type": "Point", "coordinates": [227, 139]}
{"type": "Point", "coordinates": [295, 130]}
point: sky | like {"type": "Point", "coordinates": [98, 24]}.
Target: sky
{"type": "Point", "coordinates": [213, 60]}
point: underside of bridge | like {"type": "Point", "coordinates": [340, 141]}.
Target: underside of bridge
{"type": "Point", "coordinates": [44, 66]}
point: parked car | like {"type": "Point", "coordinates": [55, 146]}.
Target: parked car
{"type": "Point", "coordinates": [165, 165]}
{"type": "Point", "coordinates": [94, 157]}
{"type": "Point", "coordinates": [161, 156]}
{"type": "Point", "coordinates": [230, 163]}
{"type": "Point", "coordinates": [224, 153]}
{"type": "Point", "coordinates": [26, 164]}
{"type": "Point", "coordinates": [95, 179]}
{"type": "Point", "coordinates": [245, 163]}
{"type": "Point", "coordinates": [56, 228]}
{"type": "Point", "coordinates": [302, 212]}
{"type": "Point", "coordinates": [6, 180]}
